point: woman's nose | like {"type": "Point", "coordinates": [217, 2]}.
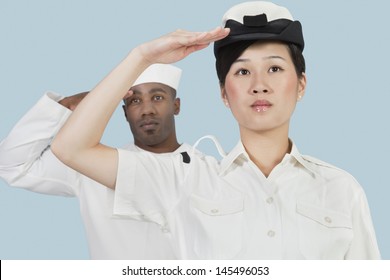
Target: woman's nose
{"type": "Point", "coordinates": [259, 84]}
{"type": "Point", "coordinates": [264, 90]}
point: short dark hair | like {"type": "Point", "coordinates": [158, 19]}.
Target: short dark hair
{"type": "Point", "coordinates": [229, 53]}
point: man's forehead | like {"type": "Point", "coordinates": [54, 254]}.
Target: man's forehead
{"type": "Point", "coordinates": [151, 88]}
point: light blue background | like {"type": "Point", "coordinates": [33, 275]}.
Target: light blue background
{"type": "Point", "coordinates": [69, 45]}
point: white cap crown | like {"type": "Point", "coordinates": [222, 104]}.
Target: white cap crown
{"type": "Point", "coordinates": [253, 8]}
{"type": "Point", "coordinates": [166, 74]}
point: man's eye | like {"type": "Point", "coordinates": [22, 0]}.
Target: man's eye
{"type": "Point", "coordinates": [135, 101]}
{"type": "Point", "coordinates": [158, 97]}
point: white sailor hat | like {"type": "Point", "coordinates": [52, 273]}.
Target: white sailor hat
{"type": "Point", "coordinates": [166, 74]}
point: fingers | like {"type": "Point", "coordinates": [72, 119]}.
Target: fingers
{"type": "Point", "coordinates": [205, 38]}
{"type": "Point", "coordinates": [177, 45]}
{"type": "Point", "coordinates": [216, 34]}
{"type": "Point", "coordinates": [128, 94]}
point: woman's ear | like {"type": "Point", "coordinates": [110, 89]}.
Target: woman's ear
{"type": "Point", "coordinates": [224, 97]}
{"type": "Point", "coordinates": [301, 87]}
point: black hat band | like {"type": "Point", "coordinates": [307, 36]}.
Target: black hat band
{"type": "Point", "coordinates": [283, 30]}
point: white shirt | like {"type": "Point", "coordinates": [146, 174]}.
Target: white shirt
{"type": "Point", "coordinates": [188, 200]}
{"type": "Point", "coordinates": [305, 209]}
{"type": "Point", "coordinates": [27, 162]}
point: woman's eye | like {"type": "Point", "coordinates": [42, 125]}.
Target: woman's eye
{"type": "Point", "coordinates": [274, 69]}
{"type": "Point", "coordinates": [242, 72]}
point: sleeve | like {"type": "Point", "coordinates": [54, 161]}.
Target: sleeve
{"type": "Point", "coordinates": [25, 158]}
{"type": "Point", "coordinates": [147, 185]}
{"type": "Point", "coordinates": [364, 244]}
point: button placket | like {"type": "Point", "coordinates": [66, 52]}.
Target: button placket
{"type": "Point", "coordinates": [272, 209]}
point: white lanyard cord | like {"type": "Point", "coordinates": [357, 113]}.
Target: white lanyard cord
{"type": "Point", "coordinates": [221, 151]}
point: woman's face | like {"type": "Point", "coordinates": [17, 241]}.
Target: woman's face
{"type": "Point", "coordinates": [262, 87]}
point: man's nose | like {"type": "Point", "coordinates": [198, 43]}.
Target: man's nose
{"type": "Point", "coordinates": [148, 108]}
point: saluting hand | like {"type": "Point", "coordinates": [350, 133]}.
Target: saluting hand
{"type": "Point", "coordinates": [179, 44]}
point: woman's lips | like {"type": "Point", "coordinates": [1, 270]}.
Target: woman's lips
{"type": "Point", "coordinates": [261, 105]}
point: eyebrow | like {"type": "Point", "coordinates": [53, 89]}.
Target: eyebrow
{"type": "Point", "coordinates": [152, 91]}
{"type": "Point", "coordinates": [264, 58]}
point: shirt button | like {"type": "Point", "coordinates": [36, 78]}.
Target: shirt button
{"type": "Point", "coordinates": [165, 230]}
{"type": "Point", "coordinates": [214, 211]}
{"type": "Point", "coordinates": [328, 220]}
{"type": "Point", "coordinates": [270, 200]}
{"type": "Point", "coordinates": [271, 233]}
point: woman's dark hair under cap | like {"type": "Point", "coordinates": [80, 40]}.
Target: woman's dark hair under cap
{"type": "Point", "coordinates": [229, 53]}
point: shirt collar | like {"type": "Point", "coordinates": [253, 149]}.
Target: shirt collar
{"type": "Point", "coordinates": [235, 153]}
{"type": "Point", "coordinates": [299, 158]}
{"type": "Point", "coordinates": [182, 148]}
{"type": "Point", "coordinates": [239, 152]}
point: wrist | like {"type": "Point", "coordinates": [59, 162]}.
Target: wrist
{"type": "Point", "coordinates": [137, 58]}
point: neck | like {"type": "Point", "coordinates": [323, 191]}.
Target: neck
{"type": "Point", "coordinates": [168, 146]}
{"type": "Point", "coordinates": [266, 149]}
{"type": "Point", "coordinates": [162, 149]}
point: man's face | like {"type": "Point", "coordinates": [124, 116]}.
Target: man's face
{"type": "Point", "coordinates": [150, 111]}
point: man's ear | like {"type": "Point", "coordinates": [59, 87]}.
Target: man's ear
{"type": "Point", "coordinates": [124, 111]}
{"type": "Point", "coordinates": [177, 106]}
{"type": "Point", "coordinates": [128, 94]}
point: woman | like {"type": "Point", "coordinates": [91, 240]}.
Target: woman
{"type": "Point", "coordinates": [304, 208]}
{"type": "Point", "coordinates": [265, 200]}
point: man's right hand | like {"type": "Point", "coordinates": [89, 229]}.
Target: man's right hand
{"type": "Point", "coordinates": [72, 101]}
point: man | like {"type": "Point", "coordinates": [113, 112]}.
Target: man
{"type": "Point", "coordinates": [152, 129]}
{"type": "Point", "coordinates": [27, 162]}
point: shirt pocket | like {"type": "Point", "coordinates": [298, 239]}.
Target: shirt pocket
{"type": "Point", "coordinates": [323, 233]}
{"type": "Point", "coordinates": [219, 235]}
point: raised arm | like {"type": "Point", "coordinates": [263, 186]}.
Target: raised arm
{"type": "Point", "coordinates": [78, 142]}
{"type": "Point", "coordinates": [25, 160]}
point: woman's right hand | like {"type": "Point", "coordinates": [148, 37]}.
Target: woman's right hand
{"type": "Point", "coordinates": [177, 45]}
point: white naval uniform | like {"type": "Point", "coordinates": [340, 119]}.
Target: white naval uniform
{"type": "Point", "coordinates": [194, 208]}
{"type": "Point", "coordinates": [305, 209]}
{"type": "Point", "coordinates": [27, 162]}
